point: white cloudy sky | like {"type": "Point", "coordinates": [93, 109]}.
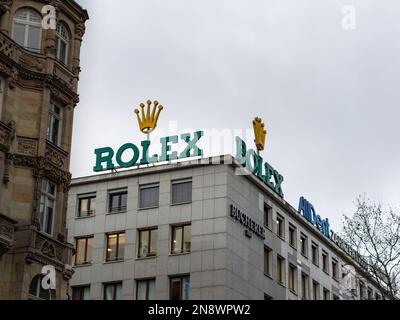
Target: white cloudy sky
{"type": "Point", "coordinates": [329, 96]}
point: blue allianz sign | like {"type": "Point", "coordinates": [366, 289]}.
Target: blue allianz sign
{"type": "Point", "coordinates": [307, 210]}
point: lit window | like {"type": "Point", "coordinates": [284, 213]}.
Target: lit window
{"type": "Point", "coordinates": [47, 206]}
{"type": "Point", "coordinates": [315, 253]}
{"type": "Point", "coordinates": [115, 246]}
{"type": "Point", "coordinates": [54, 125]}
{"type": "Point", "coordinates": [267, 216]}
{"type": "Point", "coordinates": [146, 289]}
{"type": "Point", "coordinates": [84, 247]}
{"type": "Point", "coordinates": [62, 40]}
{"type": "Point", "coordinates": [147, 243]}
{"type": "Point", "coordinates": [181, 239]}
{"type": "Point", "coordinates": [117, 201]}
{"type": "Point", "coordinates": [182, 191]}
{"type": "Point", "coordinates": [149, 196]}
{"type": "Point", "coordinates": [280, 226]}
{"type": "Point", "coordinates": [304, 245]}
{"type": "Point", "coordinates": [113, 291]}
{"type": "Point", "coordinates": [81, 293]}
{"type": "Point", "coordinates": [27, 30]}
{"type": "Point", "coordinates": [179, 288]}
{"type": "Point", "coordinates": [86, 206]}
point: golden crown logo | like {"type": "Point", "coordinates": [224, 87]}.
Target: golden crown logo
{"type": "Point", "coordinates": [260, 133]}
{"type": "Point", "coordinates": [148, 121]}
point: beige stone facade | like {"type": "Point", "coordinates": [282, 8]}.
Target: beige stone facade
{"type": "Point", "coordinates": [37, 80]}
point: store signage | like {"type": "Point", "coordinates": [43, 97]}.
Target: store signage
{"type": "Point", "coordinates": [306, 209]}
{"type": "Point", "coordinates": [247, 222]}
{"type": "Point", "coordinates": [109, 157]}
{"type": "Point", "coordinates": [251, 159]}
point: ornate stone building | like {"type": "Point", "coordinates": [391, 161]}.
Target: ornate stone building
{"type": "Point", "coordinates": [39, 73]}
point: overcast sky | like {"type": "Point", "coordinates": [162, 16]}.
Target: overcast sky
{"type": "Point", "coordinates": [329, 95]}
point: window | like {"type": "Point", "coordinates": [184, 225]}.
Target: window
{"type": "Point", "coordinates": [267, 297]}
{"type": "Point", "coordinates": [369, 294]}
{"type": "Point", "coordinates": [315, 253]}
{"type": "Point", "coordinates": [86, 206]}
{"type": "Point", "coordinates": [327, 294]}
{"type": "Point", "coordinates": [377, 296]}
{"type": "Point", "coordinates": [304, 245]}
{"type": "Point", "coordinates": [292, 278]}
{"type": "Point", "coordinates": [117, 201]}
{"type": "Point", "coordinates": [113, 291]}
{"type": "Point", "coordinates": [325, 263]}
{"type": "Point", "coordinates": [54, 125]}
{"type": "Point", "coordinates": [147, 243]}
{"type": "Point", "coordinates": [115, 246]}
{"type": "Point", "coordinates": [81, 293]}
{"type": "Point", "coordinates": [335, 272]}
{"type": "Point", "coordinates": [304, 286]}
{"type": "Point", "coordinates": [182, 191]}
{"type": "Point", "coordinates": [62, 40]}
{"type": "Point", "coordinates": [149, 196]}
{"type": "Point", "coordinates": [280, 269]}
{"type": "Point", "coordinates": [315, 290]}
{"type": "Point", "coordinates": [267, 261]}
{"type": "Point", "coordinates": [47, 206]}
{"type": "Point", "coordinates": [280, 226]}
{"type": "Point", "coordinates": [146, 289]}
{"type": "Point", "coordinates": [335, 297]}
{"type": "Point", "coordinates": [362, 289]}
{"type": "Point", "coordinates": [36, 291]}
{"type": "Point", "coordinates": [27, 30]}
{"type": "Point", "coordinates": [181, 239]}
{"type": "Point", "coordinates": [179, 288]}
{"type": "Point", "coordinates": [267, 216]}
{"type": "Point", "coordinates": [84, 247]}
{"type": "Point", "coordinates": [292, 236]}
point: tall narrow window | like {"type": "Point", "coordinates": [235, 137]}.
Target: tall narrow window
{"type": "Point", "coordinates": [325, 262]}
{"type": "Point", "coordinates": [54, 125]}
{"type": "Point", "coordinates": [62, 41]}
{"type": "Point", "coordinates": [362, 290]}
{"type": "Point", "coordinates": [179, 288]}
{"type": "Point", "coordinates": [81, 293]}
{"type": "Point", "coordinates": [280, 226]}
{"type": "Point", "coordinates": [115, 246]}
{"type": "Point", "coordinates": [315, 290]}
{"type": "Point", "coordinates": [86, 206]}
{"type": "Point", "coordinates": [147, 243]}
{"type": "Point", "coordinates": [327, 294]}
{"type": "Point", "coordinates": [304, 245]}
{"type": "Point", "coordinates": [113, 291]}
{"type": "Point", "coordinates": [280, 269]}
{"type": "Point", "coordinates": [84, 247]}
{"type": "Point", "coordinates": [315, 253]}
{"type": "Point", "coordinates": [146, 289]}
{"type": "Point", "coordinates": [181, 239]}
{"type": "Point", "coordinates": [267, 216]}
{"type": "Point", "coordinates": [292, 278]}
{"type": "Point", "coordinates": [369, 293]}
{"type": "Point", "coordinates": [292, 236]}
{"type": "Point", "coordinates": [335, 271]}
{"type": "Point", "coordinates": [267, 261]}
{"type": "Point", "coordinates": [47, 206]}
{"type": "Point", "coordinates": [149, 196]}
{"type": "Point", "coordinates": [117, 201]}
{"type": "Point", "coordinates": [36, 291]}
{"type": "Point", "coordinates": [304, 286]}
{"type": "Point", "coordinates": [181, 191]}
{"type": "Point", "coordinates": [27, 30]}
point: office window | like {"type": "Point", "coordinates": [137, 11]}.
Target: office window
{"type": "Point", "coordinates": [27, 29]}
{"type": "Point", "coordinates": [362, 290]}
{"type": "Point", "coordinates": [62, 41]}
{"type": "Point", "coordinates": [146, 289]}
{"type": "Point", "coordinates": [304, 245]}
{"type": "Point", "coordinates": [47, 206]}
{"type": "Point", "coordinates": [115, 246]}
{"type": "Point", "coordinates": [149, 196]}
{"type": "Point", "coordinates": [280, 226]}
{"type": "Point", "coordinates": [292, 278]}
{"type": "Point", "coordinates": [86, 206]}
{"type": "Point", "coordinates": [267, 261]}
{"type": "Point", "coordinates": [267, 216]}
{"type": "Point", "coordinates": [369, 294]}
{"type": "Point", "coordinates": [84, 247]}
{"type": "Point", "coordinates": [113, 291]}
{"type": "Point", "coordinates": [147, 243]}
{"type": "Point", "coordinates": [293, 236]}
{"type": "Point", "coordinates": [179, 288]}
{"type": "Point", "coordinates": [315, 253]}
{"type": "Point", "coordinates": [325, 262]}
{"type": "Point", "coordinates": [81, 293]}
{"type": "Point", "coordinates": [54, 125]}
{"type": "Point", "coordinates": [117, 201]}
{"type": "Point", "coordinates": [304, 286]}
{"type": "Point", "coordinates": [315, 290]}
{"type": "Point", "coordinates": [181, 239]}
{"type": "Point", "coordinates": [280, 269]}
{"type": "Point", "coordinates": [181, 191]}
{"type": "Point", "coordinates": [327, 294]}
{"type": "Point", "coordinates": [335, 271]}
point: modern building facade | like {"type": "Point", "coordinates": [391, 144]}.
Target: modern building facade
{"type": "Point", "coordinates": [39, 73]}
{"type": "Point", "coordinates": [201, 229]}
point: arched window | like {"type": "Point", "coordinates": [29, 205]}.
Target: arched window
{"type": "Point", "coordinates": [27, 30]}
{"type": "Point", "coordinates": [36, 291]}
{"type": "Point", "coordinates": [62, 40]}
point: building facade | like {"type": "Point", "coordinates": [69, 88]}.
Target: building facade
{"type": "Point", "coordinates": [201, 230]}
{"type": "Point", "coordinates": [39, 73]}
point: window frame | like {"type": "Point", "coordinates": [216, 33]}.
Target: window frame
{"type": "Point", "coordinates": [293, 236]}
{"type": "Point", "coordinates": [281, 270]}
{"type": "Point", "coordinates": [148, 230]}
{"type": "Point", "coordinates": [325, 261]}
{"type": "Point", "coordinates": [268, 256]}
{"type": "Point", "coordinates": [177, 182]}
{"type": "Point", "coordinates": [147, 281]}
{"type": "Point", "coordinates": [114, 286]}
{"type": "Point", "coordinates": [90, 212]}
{"type": "Point", "coordinates": [86, 262]}
{"type": "Point", "coordinates": [117, 246]}
{"type": "Point", "coordinates": [292, 278]}
{"type": "Point", "coordinates": [120, 208]}
{"type": "Point", "coordinates": [28, 24]}
{"type": "Point", "coordinates": [305, 238]}
{"type": "Point", "coordinates": [59, 38]}
{"type": "Point", "coordinates": [82, 290]}
{"type": "Point", "coordinates": [326, 294]}
{"type": "Point", "coordinates": [267, 216]}
{"type": "Point", "coordinates": [280, 226]}
{"type": "Point", "coordinates": [335, 269]}
{"type": "Point", "coordinates": [181, 278]}
{"type": "Point", "coordinates": [305, 279]}
{"type": "Point", "coordinates": [44, 194]}
{"type": "Point", "coordinates": [148, 186]}
{"type": "Point", "coordinates": [316, 260]}
{"type": "Point", "coordinates": [183, 226]}
{"type": "Point", "coordinates": [52, 117]}
{"type": "Point", "coordinates": [316, 288]}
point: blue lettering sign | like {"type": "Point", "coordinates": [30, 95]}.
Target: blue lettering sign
{"type": "Point", "coordinates": [306, 209]}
